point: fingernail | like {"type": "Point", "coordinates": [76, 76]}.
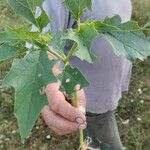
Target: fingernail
{"type": "Point", "coordinates": [82, 126]}
{"type": "Point", "coordinates": [79, 120]}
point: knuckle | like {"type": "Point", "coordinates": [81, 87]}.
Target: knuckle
{"type": "Point", "coordinates": [53, 107]}
{"type": "Point", "coordinates": [49, 124]}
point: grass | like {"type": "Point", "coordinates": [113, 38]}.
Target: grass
{"type": "Point", "coordinates": [132, 114]}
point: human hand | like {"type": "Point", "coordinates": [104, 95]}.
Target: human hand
{"type": "Point", "coordinates": [60, 115]}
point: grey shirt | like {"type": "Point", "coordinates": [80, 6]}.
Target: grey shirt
{"type": "Point", "coordinates": [111, 74]}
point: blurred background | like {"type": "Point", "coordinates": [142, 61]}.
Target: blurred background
{"type": "Point", "coordinates": [133, 113]}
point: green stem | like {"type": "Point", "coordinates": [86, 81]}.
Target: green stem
{"type": "Point", "coordinates": [75, 103]}
{"type": "Point", "coordinates": [70, 53]}
{"type": "Point", "coordinates": [81, 139]}
{"type": "Point", "coordinates": [72, 50]}
{"type": "Point", "coordinates": [79, 22]}
{"type": "Point", "coordinates": [75, 99]}
{"type": "Point", "coordinates": [57, 55]}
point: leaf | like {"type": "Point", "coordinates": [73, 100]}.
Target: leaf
{"type": "Point", "coordinates": [8, 51]}
{"type": "Point", "coordinates": [84, 38]}
{"type": "Point", "coordinates": [27, 8]}
{"type": "Point", "coordinates": [126, 39]}
{"type": "Point", "coordinates": [77, 7]}
{"type": "Point", "coordinates": [28, 76]}
{"type": "Point", "coordinates": [23, 34]}
{"type": "Point", "coordinates": [58, 41]}
{"type": "Point", "coordinates": [114, 25]}
{"type": "Point", "coordinates": [70, 77]}
{"type": "Point", "coordinates": [42, 19]}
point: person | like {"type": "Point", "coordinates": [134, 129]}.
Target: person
{"type": "Point", "coordinates": [108, 77]}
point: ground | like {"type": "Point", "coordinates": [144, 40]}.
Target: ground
{"type": "Point", "coordinates": [132, 114]}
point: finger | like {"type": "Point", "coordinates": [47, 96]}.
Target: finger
{"type": "Point", "coordinates": [65, 132]}
{"type": "Point", "coordinates": [59, 105]}
{"type": "Point", "coordinates": [81, 99]}
{"type": "Point", "coordinates": [60, 132]}
{"type": "Point", "coordinates": [51, 89]}
{"type": "Point", "coordinates": [57, 131]}
{"type": "Point", "coordinates": [59, 123]}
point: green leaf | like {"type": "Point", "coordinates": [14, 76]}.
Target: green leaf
{"type": "Point", "coordinates": [126, 39]}
{"type": "Point", "coordinates": [114, 25]}
{"type": "Point", "coordinates": [70, 77]}
{"type": "Point", "coordinates": [8, 51]}
{"type": "Point", "coordinates": [27, 8]}
{"type": "Point", "coordinates": [23, 34]}
{"type": "Point", "coordinates": [28, 76]}
{"type": "Point", "coordinates": [43, 20]}
{"type": "Point", "coordinates": [58, 41]}
{"type": "Point", "coordinates": [84, 38]}
{"type": "Point", "coordinates": [77, 7]}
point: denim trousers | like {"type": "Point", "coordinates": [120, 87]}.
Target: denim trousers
{"type": "Point", "coordinates": [103, 131]}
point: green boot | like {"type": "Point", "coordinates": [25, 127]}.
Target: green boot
{"type": "Point", "coordinates": [103, 131]}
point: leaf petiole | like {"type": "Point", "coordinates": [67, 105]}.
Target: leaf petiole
{"type": "Point", "coordinates": [57, 55]}
{"type": "Point", "coordinates": [70, 53]}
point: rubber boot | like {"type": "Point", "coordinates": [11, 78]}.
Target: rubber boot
{"type": "Point", "coordinates": [103, 131]}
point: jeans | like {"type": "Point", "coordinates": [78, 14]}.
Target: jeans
{"type": "Point", "coordinates": [103, 131]}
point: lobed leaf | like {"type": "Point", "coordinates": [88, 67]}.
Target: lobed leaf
{"type": "Point", "coordinates": [84, 38]}
{"type": "Point", "coordinates": [26, 8]}
{"type": "Point", "coordinates": [127, 39]}
{"type": "Point", "coordinates": [28, 76]}
{"type": "Point", "coordinates": [42, 19]}
{"type": "Point", "coordinates": [70, 77]}
{"type": "Point", "coordinates": [58, 41]}
{"type": "Point", "coordinates": [77, 7]}
{"type": "Point", "coordinates": [23, 34]}
{"type": "Point", "coordinates": [8, 51]}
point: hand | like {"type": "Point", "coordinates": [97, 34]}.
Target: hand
{"type": "Point", "coordinates": [60, 115]}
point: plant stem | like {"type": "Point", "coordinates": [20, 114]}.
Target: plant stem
{"type": "Point", "coordinates": [57, 55]}
{"type": "Point", "coordinates": [70, 53]}
{"type": "Point", "coordinates": [75, 103]}
{"type": "Point", "coordinates": [81, 139]}
{"type": "Point", "coordinates": [75, 99]}
{"type": "Point", "coordinates": [78, 22]}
